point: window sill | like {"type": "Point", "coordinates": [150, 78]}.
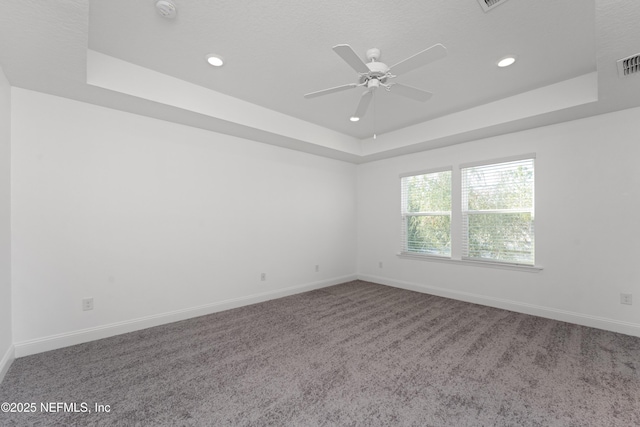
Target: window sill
{"type": "Point", "coordinates": [486, 264]}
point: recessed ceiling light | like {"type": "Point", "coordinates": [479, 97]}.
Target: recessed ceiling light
{"type": "Point", "coordinates": [354, 118]}
{"type": "Point", "coordinates": [215, 60]}
{"type": "Point", "coordinates": [506, 61]}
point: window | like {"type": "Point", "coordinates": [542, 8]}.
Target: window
{"type": "Point", "coordinates": [426, 213]}
{"type": "Point", "coordinates": [498, 212]}
{"type": "Point", "coordinates": [480, 212]}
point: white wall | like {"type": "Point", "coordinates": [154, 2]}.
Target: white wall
{"type": "Point", "coordinates": [6, 347]}
{"type": "Point", "coordinates": [587, 227]}
{"type": "Point", "coordinates": [158, 221]}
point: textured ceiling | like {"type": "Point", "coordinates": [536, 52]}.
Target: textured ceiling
{"type": "Point", "coordinates": [122, 54]}
{"type": "Point", "coordinates": [277, 51]}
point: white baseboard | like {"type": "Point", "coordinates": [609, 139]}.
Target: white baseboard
{"type": "Point", "coordinates": [6, 361]}
{"type": "Point", "coordinates": [607, 324]}
{"type": "Point", "coordinates": [39, 345]}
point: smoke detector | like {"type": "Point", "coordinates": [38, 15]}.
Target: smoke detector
{"type": "Point", "coordinates": [487, 5]}
{"type": "Point", "coordinates": [166, 9]}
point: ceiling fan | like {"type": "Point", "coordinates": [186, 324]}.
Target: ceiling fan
{"type": "Point", "coordinates": [374, 74]}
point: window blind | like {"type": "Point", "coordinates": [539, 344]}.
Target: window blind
{"type": "Point", "coordinates": [426, 213]}
{"type": "Point", "coordinates": [498, 212]}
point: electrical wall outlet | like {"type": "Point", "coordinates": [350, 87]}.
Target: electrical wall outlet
{"type": "Point", "coordinates": [626, 299]}
{"type": "Point", "coordinates": [263, 276]}
{"type": "Point", "coordinates": [87, 304]}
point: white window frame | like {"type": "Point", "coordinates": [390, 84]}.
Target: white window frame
{"type": "Point", "coordinates": [466, 213]}
{"type": "Point", "coordinates": [405, 214]}
{"type": "Point", "coordinates": [457, 228]}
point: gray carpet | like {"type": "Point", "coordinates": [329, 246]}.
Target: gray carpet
{"type": "Point", "coordinates": [356, 354]}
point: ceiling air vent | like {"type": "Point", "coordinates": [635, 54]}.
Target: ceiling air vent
{"type": "Point", "coordinates": [487, 5]}
{"type": "Point", "coordinates": [629, 65]}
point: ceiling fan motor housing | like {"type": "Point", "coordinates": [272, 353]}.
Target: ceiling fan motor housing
{"type": "Point", "coordinates": [377, 70]}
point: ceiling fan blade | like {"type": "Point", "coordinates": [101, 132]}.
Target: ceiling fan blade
{"type": "Point", "coordinates": [331, 90]}
{"type": "Point", "coordinates": [351, 58]}
{"type": "Point", "coordinates": [411, 92]}
{"type": "Point", "coordinates": [365, 100]}
{"type": "Point", "coordinates": [420, 59]}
